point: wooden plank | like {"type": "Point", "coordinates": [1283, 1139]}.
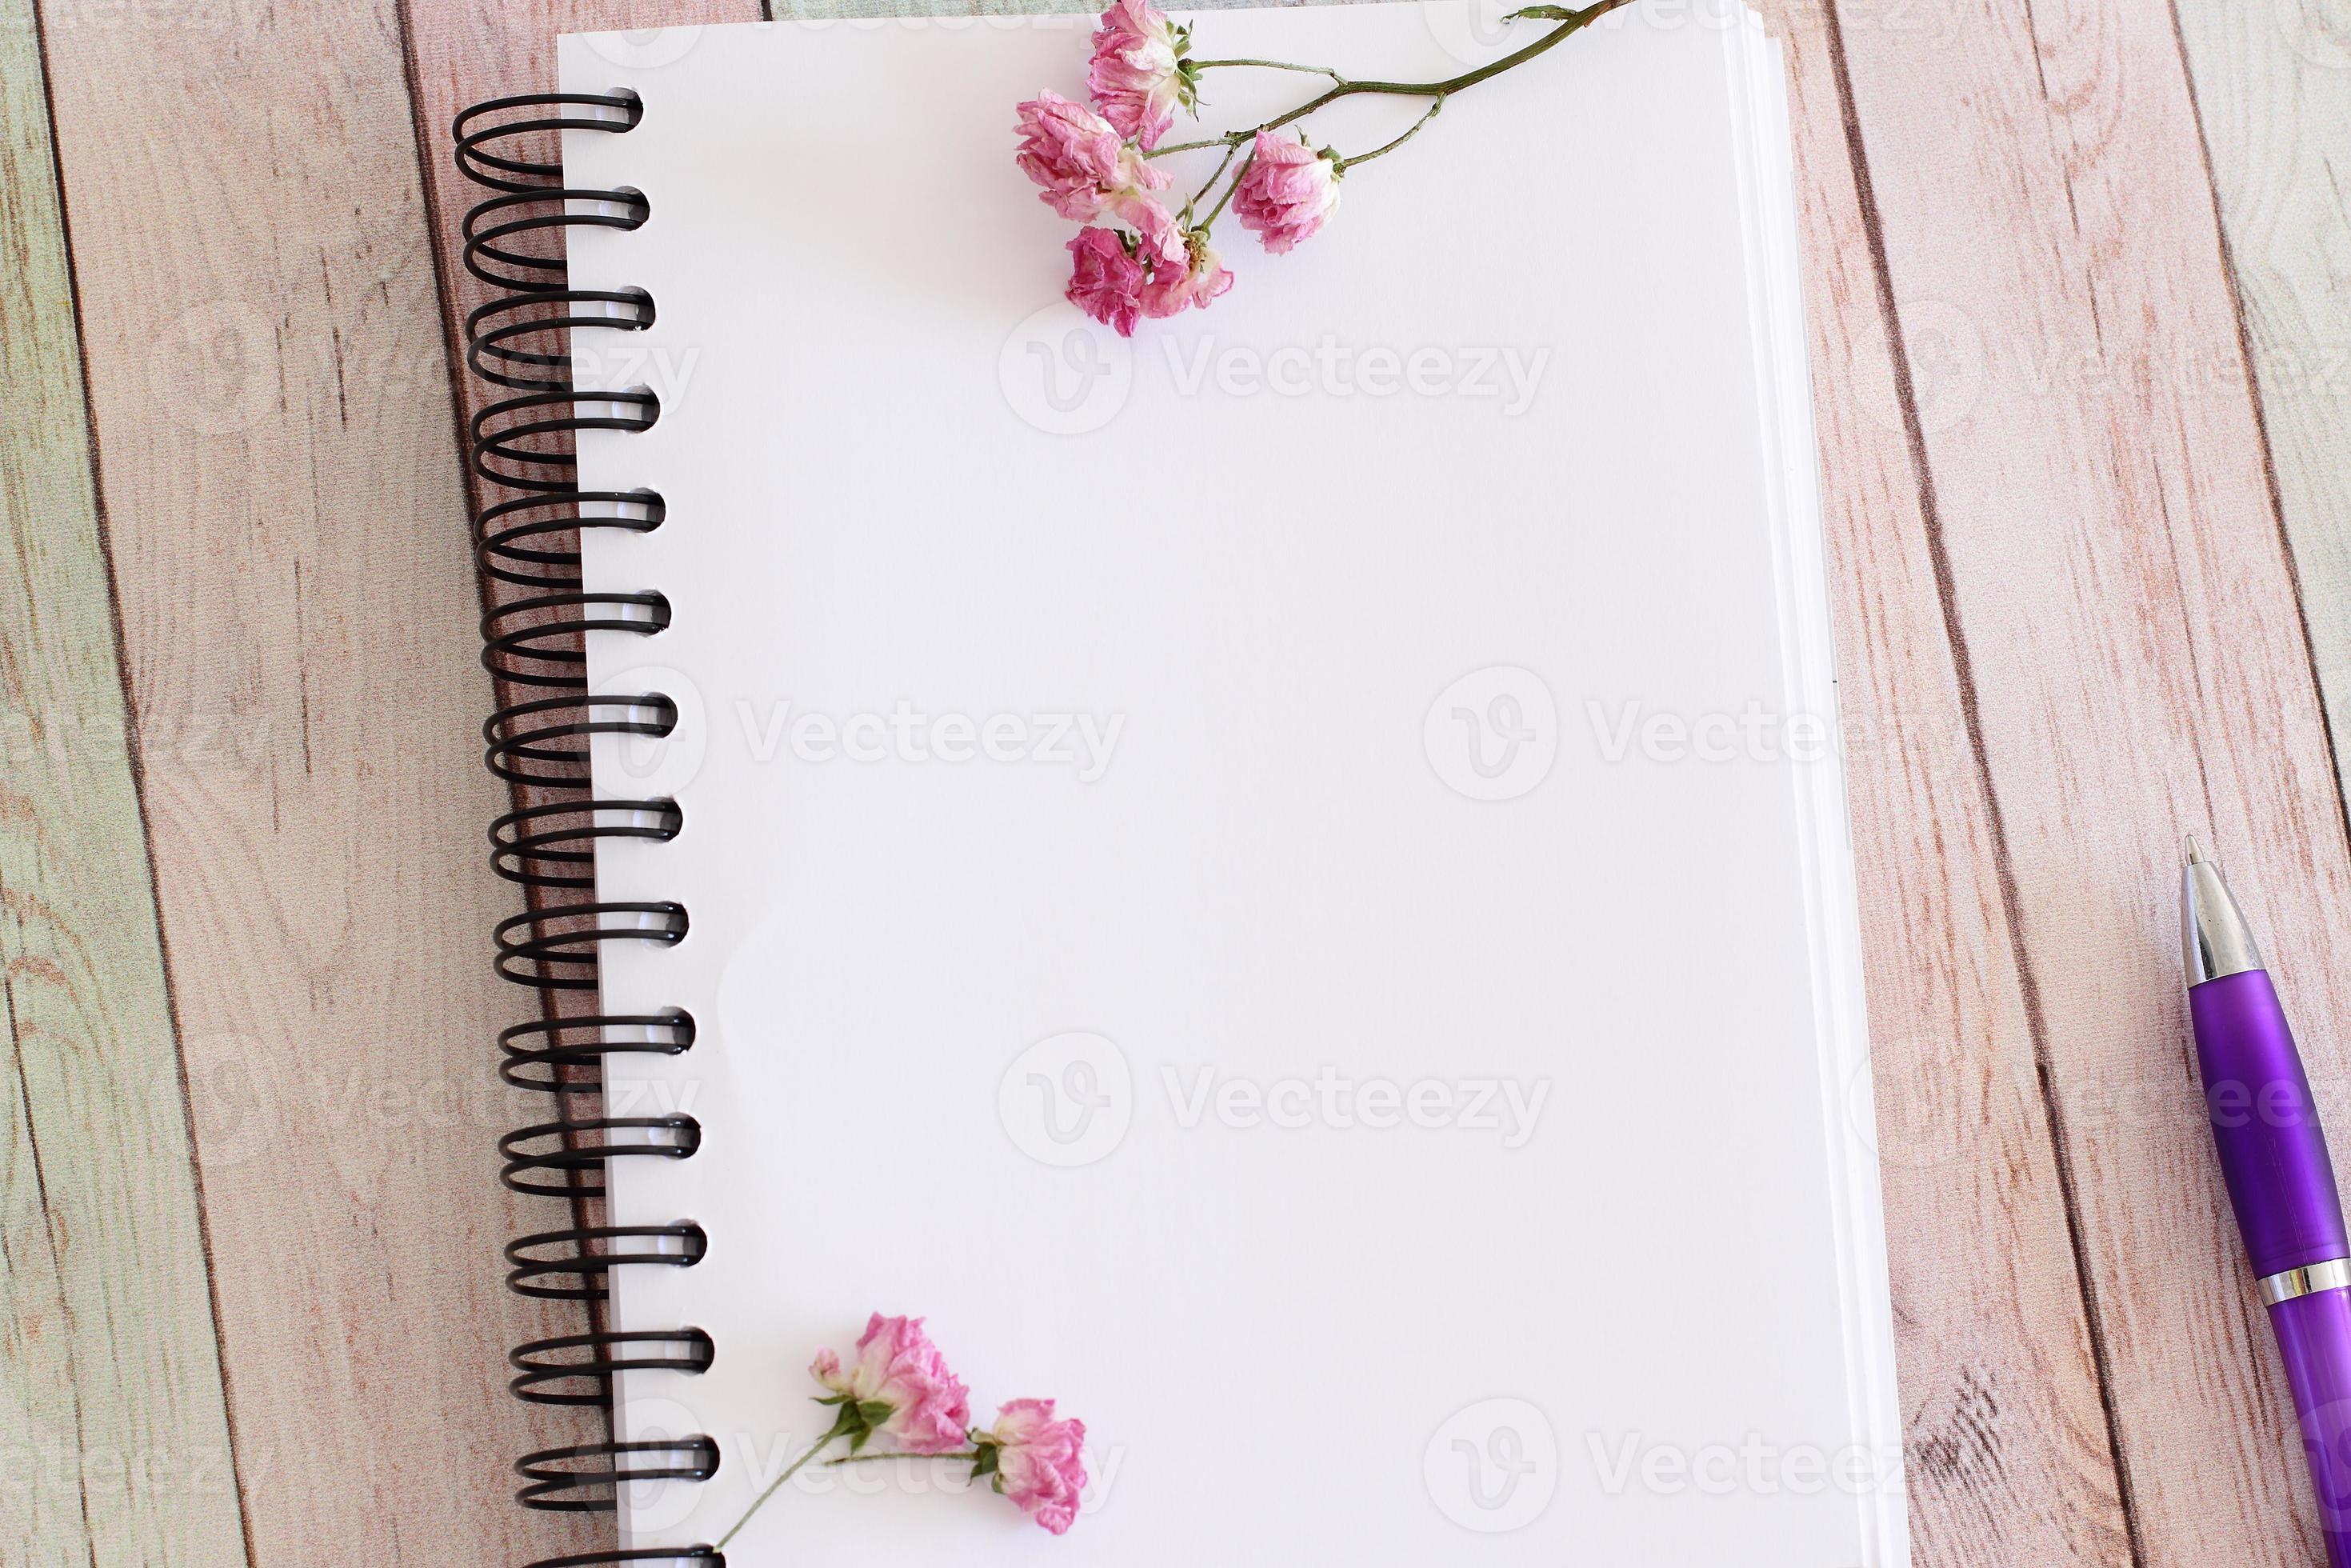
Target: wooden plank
{"type": "Point", "coordinates": [2128, 640]}
{"type": "Point", "coordinates": [2273, 89]}
{"type": "Point", "coordinates": [114, 1421]}
{"type": "Point", "coordinates": [2006, 1449]}
{"type": "Point", "coordinates": [281, 480]}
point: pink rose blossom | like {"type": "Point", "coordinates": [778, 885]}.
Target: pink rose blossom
{"type": "Point", "coordinates": [1137, 75]}
{"type": "Point", "coordinates": [1078, 158]}
{"type": "Point", "coordinates": [1191, 274]}
{"type": "Point", "coordinates": [1106, 283]}
{"type": "Point", "coordinates": [1165, 269]}
{"type": "Point", "coordinates": [1288, 193]}
{"type": "Point", "coordinates": [897, 1366]}
{"type": "Point", "coordinates": [1040, 1461]}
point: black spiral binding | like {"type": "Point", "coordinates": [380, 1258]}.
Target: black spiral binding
{"type": "Point", "coordinates": [539, 743]}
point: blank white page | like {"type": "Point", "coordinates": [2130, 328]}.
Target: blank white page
{"type": "Point", "coordinates": [1280, 881]}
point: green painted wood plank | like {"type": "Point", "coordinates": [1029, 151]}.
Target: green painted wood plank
{"type": "Point", "coordinates": [114, 1438]}
{"type": "Point", "coordinates": [2273, 95]}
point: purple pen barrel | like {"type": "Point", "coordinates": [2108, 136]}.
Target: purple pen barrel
{"type": "Point", "coordinates": [2265, 1125]}
{"type": "Point", "coordinates": [2281, 1185]}
{"type": "Point", "coordinates": [2313, 1335]}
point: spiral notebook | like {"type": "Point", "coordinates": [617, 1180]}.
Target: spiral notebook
{"type": "Point", "coordinates": [1283, 882]}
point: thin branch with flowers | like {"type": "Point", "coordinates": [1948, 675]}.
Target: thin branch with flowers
{"type": "Point", "coordinates": [900, 1391]}
{"type": "Point", "coordinates": [1100, 162]}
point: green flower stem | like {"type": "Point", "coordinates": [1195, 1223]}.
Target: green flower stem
{"type": "Point", "coordinates": [1210, 183]}
{"type": "Point", "coordinates": [1347, 164]}
{"type": "Point", "coordinates": [1209, 221]}
{"type": "Point", "coordinates": [1230, 138]}
{"type": "Point", "coordinates": [1570, 23]}
{"type": "Point", "coordinates": [846, 1423]}
{"type": "Point", "coordinates": [870, 1458]}
{"type": "Point", "coordinates": [1271, 66]}
{"type": "Point", "coordinates": [1574, 22]}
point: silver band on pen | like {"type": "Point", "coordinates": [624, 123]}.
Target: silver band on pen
{"type": "Point", "coordinates": [2335, 1274]}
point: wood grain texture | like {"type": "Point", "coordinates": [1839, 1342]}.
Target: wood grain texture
{"type": "Point", "coordinates": [2126, 632]}
{"type": "Point", "coordinates": [278, 469]}
{"type": "Point", "coordinates": [2273, 87]}
{"type": "Point", "coordinates": [2007, 1447]}
{"type": "Point", "coordinates": [2068, 632]}
{"type": "Point", "coordinates": [114, 1431]}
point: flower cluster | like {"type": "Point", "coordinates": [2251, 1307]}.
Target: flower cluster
{"type": "Point", "coordinates": [898, 1388]}
{"type": "Point", "coordinates": [1135, 257]}
{"type": "Point", "coordinates": [1152, 266]}
{"type": "Point", "coordinates": [1094, 163]}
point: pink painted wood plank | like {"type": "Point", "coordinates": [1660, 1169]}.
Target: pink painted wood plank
{"type": "Point", "coordinates": [2006, 1449]}
{"type": "Point", "coordinates": [2128, 639]}
{"type": "Point", "coordinates": [286, 531]}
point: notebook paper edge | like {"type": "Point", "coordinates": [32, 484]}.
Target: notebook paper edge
{"type": "Point", "coordinates": [1759, 78]}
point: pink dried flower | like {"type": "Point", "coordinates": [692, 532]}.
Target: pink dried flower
{"type": "Point", "coordinates": [1106, 281]}
{"type": "Point", "coordinates": [1078, 158]}
{"type": "Point", "coordinates": [1288, 193]}
{"type": "Point", "coordinates": [1191, 274]}
{"type": "Point", "coordinates": [1040, 1462]}
{"type": "Point", "coordinates": [898, 1366]}
{"type": "Point", "coordinates": [1138, 75]}
{"type": "Point", "coordinates": [1163, 270]}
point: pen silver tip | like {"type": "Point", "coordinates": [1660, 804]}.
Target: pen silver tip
{"type": "Point", "coordinates": [2215, 939]}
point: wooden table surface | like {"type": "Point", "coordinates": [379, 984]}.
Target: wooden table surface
{"type": "Point", "coordinates": [2079, 276]}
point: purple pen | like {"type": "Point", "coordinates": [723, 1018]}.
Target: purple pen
{"type": "Point", "coordinates": [2281, 1181]}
